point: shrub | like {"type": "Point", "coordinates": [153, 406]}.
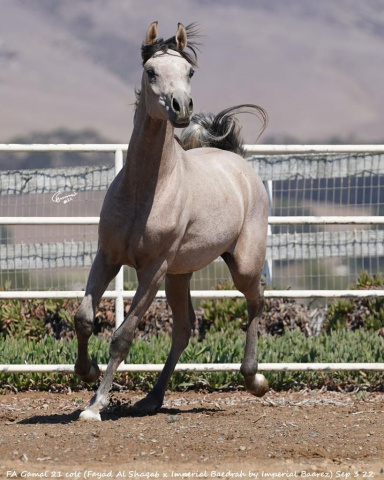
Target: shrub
{"type": "Point", "coordinates": [279, 314]}
{"type": "Point", "coordinates": [352, 314]}
{"type": "Point", "coordinates": [225, 346]}
{"type": "Point", "coordinates": [38, 319]}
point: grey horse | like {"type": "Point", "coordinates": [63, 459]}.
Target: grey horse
{"type": "Point", "coordinates": [173, 210]}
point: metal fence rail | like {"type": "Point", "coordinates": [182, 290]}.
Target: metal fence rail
{"type": "Point", "coordinates": [61, 294]}
{"type": "Point", "coordinates": [119, 293]}
{"type": "Point", "coordinates": [301, 234]}
{"type": "Point", "coordinates": [203, 367]}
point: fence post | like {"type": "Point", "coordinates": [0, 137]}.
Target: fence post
{"type": "Point", "coordinates": [119, 280]}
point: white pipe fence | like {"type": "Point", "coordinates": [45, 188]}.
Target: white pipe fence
{"type": "Point", "coordinates": [256, 149]}
{"type": "Point", "coordinates": [60, 294]}
{"type": "Point", "coordinates": [297, 220]}
{"type": "Point", "coordinates": [203, 367]}
{"type": "Point", "coordinates": [119, 293]}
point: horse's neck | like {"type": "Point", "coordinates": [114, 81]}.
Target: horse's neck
{"type": "Point", "coordinates": [152, 154]}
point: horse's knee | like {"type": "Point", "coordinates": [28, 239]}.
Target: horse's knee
{"type": "Point", "coordinates": [84, 319]}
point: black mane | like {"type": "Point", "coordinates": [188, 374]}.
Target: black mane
{"type": "Point", "coordinates": [147, 51]}
{"type": "Point", "coordinates": [221, 130]}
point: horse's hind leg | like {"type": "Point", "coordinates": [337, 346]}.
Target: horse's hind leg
{"type": "Point", "coordinates": [99, 277]}
{"type": "Point", "coordinates": [179, 299]}
{"type": "Point", "coordinates": [255, 383]}
{"type": "Point", "coordinates": [249, 281]}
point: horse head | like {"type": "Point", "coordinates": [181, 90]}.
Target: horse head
{"type": "Point", "coordinates": [166, 81]}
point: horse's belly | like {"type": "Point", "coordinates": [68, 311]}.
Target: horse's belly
{"type": "Point", "coordinates": [196, 252]}
{"type": "Point", "coordinates": [190, 262]}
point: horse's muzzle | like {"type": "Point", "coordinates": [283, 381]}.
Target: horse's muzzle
{"type": "Point", "coordinates": [181, 111]}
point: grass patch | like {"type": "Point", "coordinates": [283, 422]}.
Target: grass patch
{"type": "Point", "coordinates": [219, 346]}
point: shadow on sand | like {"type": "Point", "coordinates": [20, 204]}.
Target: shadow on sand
{"type": "Point", "coordinates": [111, 413]}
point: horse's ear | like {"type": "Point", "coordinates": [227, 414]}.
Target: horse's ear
{"type": "Point", "coordinates": [181, 37]}
{"type": "Point", "coordinates": [151, 35]}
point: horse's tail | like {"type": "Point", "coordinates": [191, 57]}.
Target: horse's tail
{"type": "Point", "coordinates": [221, 130]}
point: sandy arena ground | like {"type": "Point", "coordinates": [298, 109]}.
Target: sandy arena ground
{"type": "Point", "coordinates": [216, 435]}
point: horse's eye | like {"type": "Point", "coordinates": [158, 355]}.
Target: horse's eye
{"type": "Point", "coordinates": [191, 73]}
{"type": "Point", "coordinates": [151, 73]}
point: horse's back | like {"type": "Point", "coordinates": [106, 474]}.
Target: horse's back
{"type": "Point", "coordinates": [211, 159]}
{"type": "Point", "coordinates": [224, 171]}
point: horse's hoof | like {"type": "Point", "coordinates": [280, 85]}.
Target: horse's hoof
{"type": "Point", "coordinates": [88, 415]}
{"type": "Point", "coordinates": [92, 375]}
{"type": "Point", "coordinates": [147, 406]}
{"type": "Point", "coordinates": [257, 385]}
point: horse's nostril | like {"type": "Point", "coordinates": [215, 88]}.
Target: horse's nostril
{"type": "Point", "coordinates": [176, 106]}
{"type": "Point", "coordinates": [190, 105]}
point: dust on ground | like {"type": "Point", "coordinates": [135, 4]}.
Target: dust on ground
{"type": "Point", "coordinates": [213, 435]}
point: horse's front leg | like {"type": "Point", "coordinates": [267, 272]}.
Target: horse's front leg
{"type": "Point", "coordinates": [99, 277]}
{"type": "Point", "coordinates": [179, 299]}
{"type": "Point", "coordinates": [150, 280]}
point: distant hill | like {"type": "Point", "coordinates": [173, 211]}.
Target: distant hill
{"type": "Point", "coordinates": [316, 67]}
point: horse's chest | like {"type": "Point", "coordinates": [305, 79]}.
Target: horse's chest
{"type": "Point", "coordinates": [157, 231]}
{"type": "Point", "coordinates": [137, 238]}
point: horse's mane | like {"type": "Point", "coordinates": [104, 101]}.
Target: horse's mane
{"type": "Point", "coordinates": [161, 45]}
{"type": "Point", "coordinates": [221, 130]}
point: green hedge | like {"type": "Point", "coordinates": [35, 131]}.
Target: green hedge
{"type": "Point", "coordinates": [220, 346]}
{"type": "Point", "coordinates": [367, 313]}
